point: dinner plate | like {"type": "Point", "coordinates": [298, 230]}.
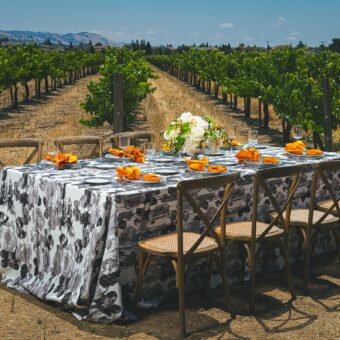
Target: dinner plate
{"type": "Point", "coordinates": [303, 157]}
{"type": "Point", "coordinates": [207, 173]}
{"type": "Point", "coordinates": [98, 180]}
{"type": "Point", "coordinates": [224, 162]}
{"type": "Point", "coordinates": [238, 147]}
{"type": "Point", "coordinates": [102, 166]}
{"type": "Point", "coordinates": [259, 146]}
{"type": "Point", "coordinates": [165, 171]}
{"type": "Point", "coordinates": [163, 160]}
{"type": "Point", "coordinates": [219, 153]}
{"type": "Point", "coordinates": [113, 158]}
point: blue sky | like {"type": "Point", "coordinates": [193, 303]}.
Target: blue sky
{"type": "Point", "coordinates": [181, 21]}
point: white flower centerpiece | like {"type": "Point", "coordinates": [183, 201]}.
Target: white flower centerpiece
{"type": "Point", "coordinates": [189, 133]}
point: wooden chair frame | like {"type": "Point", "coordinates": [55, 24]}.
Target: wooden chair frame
{"type": "Point", "coordinates": [81, 140]}
{"type": "Point", "coordinates": [306, 230]}
{"type": "Point", "coordinates": [35, 143]}
{"type": "Point", "coordinates": [133, 135]}
{"type": "Point", "coordinates": [180, 258]}
{"type": "Point", "coordinates": [249, 247]}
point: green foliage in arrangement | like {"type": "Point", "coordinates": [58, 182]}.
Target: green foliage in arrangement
{"type": "Point", "coordinates": [289, 79]}
{"type": "Point", "coordinates": [136, 73]}
{"type": "Point", "coordinates": [23, 63]}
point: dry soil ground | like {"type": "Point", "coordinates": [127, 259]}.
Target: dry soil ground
{"type": "Point", "coordinates": [24, 317]}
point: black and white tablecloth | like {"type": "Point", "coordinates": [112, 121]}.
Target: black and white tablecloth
{"type": "Point", "coordinates": [72, 243]}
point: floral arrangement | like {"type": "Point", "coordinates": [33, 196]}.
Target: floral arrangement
{"type": "Point", "coordinates": [188, 133]}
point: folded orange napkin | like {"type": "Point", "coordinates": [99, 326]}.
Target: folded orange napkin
{"type": "Point", "coordinates": [204, 161]}
{"type": "Point", "coordinates": [250, 154]}
{"type": "Point", "coordinates": [61, 160]}
{"type": "Point", "coordinates": [131, 172]}
{"type": "Point", "coordinates": [116, 152]}
{"type": "Point", "coordinates": [270, 160]}
{"type": "Point", "coordinates": [216, 168]}
{"type": "Point", "coordinates": [235, 143]}
{"type": "Point", "coordinates": [151, 177]}
{"type": "Point", "coordinates": [314, 152]}
{"type": "Point", "coordinates": [296, 148]}
{"type": "Point", "coordinates": [197, 166]}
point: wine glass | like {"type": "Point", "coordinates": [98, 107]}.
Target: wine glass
{"type": "Point", "coordinates": [150, 149]}
{"type": "Point", "coordinates": [124, 142]}
{"type": "Point", "coordinates": [253, 137]}
{"type": "Point", "coordinates": [51, 150]}
{"type": "Point", "coordinates": [232, 135]}
{"type": "Point", "coordinates": [297, 132]}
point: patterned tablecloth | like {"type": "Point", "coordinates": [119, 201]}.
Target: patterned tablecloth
{"type": "Point", "coordinates": [66, 241]}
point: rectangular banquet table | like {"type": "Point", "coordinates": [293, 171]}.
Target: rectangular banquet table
{"type": "Point", "coordinates": [72, 243]}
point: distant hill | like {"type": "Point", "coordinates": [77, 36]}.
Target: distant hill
{"type": "Point", "coordinates": [56, 38]}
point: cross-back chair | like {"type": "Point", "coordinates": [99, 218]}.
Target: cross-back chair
{"type": "Point", "coordinates": [135, 137]}
{"type": "Point", "coordinates": [311, 221]}
{"type": "Point", "coordinates": [183, 247]}
{"type": "Point", "coordinates": [35, 143]}
{"type": "Point", "coordinates": [81, 140]}
{"type": "Point", "coordinates": [251, 233]}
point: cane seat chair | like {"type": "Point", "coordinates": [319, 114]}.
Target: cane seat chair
{"type": "Point", "coordinates": [135, 137]}
{"type": "Point", "coordinates": [35, 143]}
{"type": "Point", "coordinates": [81, 140]}
{"type": "Point", "coordinates": [310, 222]}
{"type": "Point", "coordinates": [253, 233]}
{"type": "Point", "coordinates": [183, 247]}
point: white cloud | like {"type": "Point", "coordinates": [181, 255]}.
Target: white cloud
{"type": "Point", "coordinates": [280, 21]}
{"type": "Point", "coordinates": [293, 36]}
{"type": "Point", "coordinates": [227, 25]}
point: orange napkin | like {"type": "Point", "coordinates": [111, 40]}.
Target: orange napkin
{"type": "Point", "coordinates": [270, 160]}
{"type": "Point", "coordinates": [314, 152]}
{"type": "Point", "coordinates": [151, 177]}
{"type": "Point", "coordinates": [296, 148]}
{"type": "Point", "coordinates": [49, 157]}
{"type": "Point", "coordinates": [216, 168]}
{"type": "Point", "coordinates": [131, 172]}
{"type": "Point", "coordinates": [61, 160]}
{"type": "Point", "coordinates": [250, 154]}
{"type": "Point", "coordinates": [135, 154]}
{"type": "Point", "coordinates": [116, 152]}
{"type": "Point", "coordinates": [197, 166]}
{"type": "Point", "coordinates": [203, 161]}
{"type": "Point", "coordinates": [235, 143]}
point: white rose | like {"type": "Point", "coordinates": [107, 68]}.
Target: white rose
{"type": "Point", "coordinates": [186, 117]}
{"type": "Point", "coordinates": [197, 132]}
{"type": "Point", "coordinates": [202, 123]}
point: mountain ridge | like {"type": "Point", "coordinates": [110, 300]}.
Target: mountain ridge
{"type": "Point", "coordinates": [56, 38]}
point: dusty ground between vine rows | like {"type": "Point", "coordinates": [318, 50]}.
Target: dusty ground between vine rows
{"type": "Point", "coordinates": [25, 317]}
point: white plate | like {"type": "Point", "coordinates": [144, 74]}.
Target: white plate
{"type": "Point", "coordinates": [102, 166]}
{"type": "Point", "coordinates": [207, 173]}
{"type": "Point", "coordinates": [113, 158]}
{"type": "Point", "coordinates": [163, 160]}
{"type": "Point", "coordinates": [303, 157]}
{"type": "Point", "coordinates": [98, 180]}
{"type": "Point", "coordinates": [259, 146]}
{"type": "Point", "coordinates": [166, 171]}
{"type": "Point", "coordinates": [224, 162]}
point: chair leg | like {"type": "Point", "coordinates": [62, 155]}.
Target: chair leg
{"type": "Point", "coordinates": [181, 296]}
{"type": "Point", "coordinates": [336, 234]}
{"type": "Point", "coordinates": [140, 273]}
{"type": "Point", "coordinates": [287, 266]}
{"type": "Point", "coordinates": [243, 264]}
{"type": "Point", "coordinates": [307, 260]}
{"type": "Point", "coordinates": [223, 270]}
{"type": "Point", "coordinates": [252, 272]}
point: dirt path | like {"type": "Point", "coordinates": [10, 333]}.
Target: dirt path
{"type": "Point", "coordinates": [53, 116]}
{"type": "Point", "coordinates": [174, 97]}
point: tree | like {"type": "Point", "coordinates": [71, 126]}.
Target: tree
{"type": "Point", "coordinates": [148, 48]}
{"type": "Point", "coordinates": [90, 47]}
{"type": "Point", "coordinates": [301, 45]}
{"type": "Point", "coordinates": [48, 42]}
{"type": "Point", "coordinates": [335, 45]}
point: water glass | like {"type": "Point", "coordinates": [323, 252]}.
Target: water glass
{"type": "Point", "coordinates": [297, 132]}
{"type": "Point", "coordinates": [51, 149]}
{"type": "Point", "coordinates": [124, 142]}
{"type": "Point", "coordinates": [253, 137]}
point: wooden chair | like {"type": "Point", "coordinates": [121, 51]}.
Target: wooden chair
{"type": "Point", "coordinates": [310, 221]}
{"type": "Point", "coordinates": [134, 136]}
{"type": "Point", "coordinates": [183, 247]}
{"type": "Point", "coordinates": [24, 143]}
{"type": "Point", "coordinates": [81, 140]}
{"type": "Point", "coordinates": [252, 233]}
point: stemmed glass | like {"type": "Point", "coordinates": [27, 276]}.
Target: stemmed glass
{"type": "Point", "coordinates": [124, 142]}
{"type": "Point", "coordinates": [253, 137]}
{"type": "Point", "coordinates": [298, 133]}
{"type": "Point", "coordinates": [51, 150]}
{"type": "Point", "coordinates": [232, 135]}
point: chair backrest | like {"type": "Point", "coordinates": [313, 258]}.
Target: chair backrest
{"type": "Point", "coordinates": [322, 171]}
{"type": "Point", "coordinates": [134, 137]}
{"type": "Point", "coordinates": [260, 181]}
{"type": "Point", "coordinates": [81, 140]}
{"type": "Point", "coordinates": [183, 191]}
{"type": "Point", "coordinates": [35, 143]}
